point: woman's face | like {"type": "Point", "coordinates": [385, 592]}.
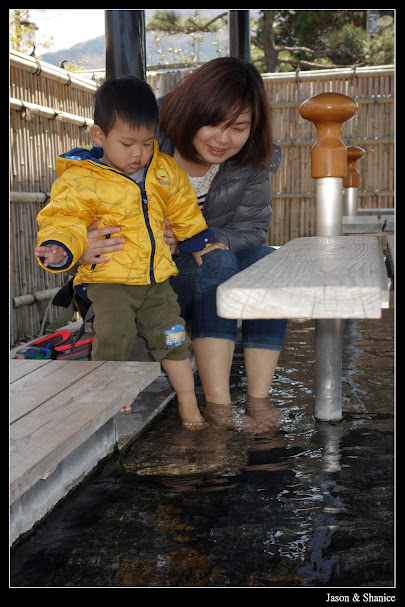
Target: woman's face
{"type": "Point", "coordinates": [215, 144]}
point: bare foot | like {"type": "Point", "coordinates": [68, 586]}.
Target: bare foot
{"type": "Point", "coordinates": [226, 415]}
{"type": "Point", "coordinates": [263, 412]}
{"type": "Point", "coordinates": [126, 409]}
{"type": "Point", "coordinates": [190, 414]}
{"type": "Point", "coordinates": [195, 425]}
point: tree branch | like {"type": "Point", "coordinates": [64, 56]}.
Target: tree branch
{"type": "Point", "coordinates": [178, 25]}
{"type": "Point", "coordinates": [306, 64]}
{"type": "Point", "coordinates": [295, 49]}
{"type": "Point", "coordinates": [221, 16]}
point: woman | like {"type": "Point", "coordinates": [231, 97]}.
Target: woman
{"type": "Point", "coordinates": [215, 123]}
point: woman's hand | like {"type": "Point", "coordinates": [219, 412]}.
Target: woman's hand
{"type": "Point", "coordinates": [169, 238]}
{"type": "Point", "coordinates": [215, 245]}
{"type": "Point", "coordinates": [100, 247]}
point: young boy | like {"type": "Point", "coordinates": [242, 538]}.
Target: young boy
{"type": "Point", "coordinates": [125, 181]}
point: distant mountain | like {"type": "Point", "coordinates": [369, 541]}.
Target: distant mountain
{"type": "Point", "coordinates": [89, 54]}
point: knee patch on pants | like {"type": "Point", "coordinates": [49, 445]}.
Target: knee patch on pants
{"type": "Point", "coordinates": [174, 344]}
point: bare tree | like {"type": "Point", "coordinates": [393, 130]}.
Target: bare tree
{"type": "Point", "coordinates": [270, 52]}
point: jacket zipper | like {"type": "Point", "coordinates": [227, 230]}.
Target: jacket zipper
{"type": "Point", "coordinates": [145, 210]}
{"type": "Point", "coordinates": [151, 236]}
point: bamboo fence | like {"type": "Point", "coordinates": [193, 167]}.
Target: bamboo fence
{"type": "Point", "coordinates": [51, 110]}
{"type": "Point", "coordinates": [43, 100]}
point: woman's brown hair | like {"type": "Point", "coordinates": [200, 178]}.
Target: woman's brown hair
{"type": "Point", "coordinates": [216, 92]}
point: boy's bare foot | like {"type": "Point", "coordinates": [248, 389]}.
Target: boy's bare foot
{"type": "Point", "coordinates": [195, 425]}
{"type": "Point", "coordinates": [193, 422]}
{"type": "Point", "coordinates": [190, 414]}
{"type": "Point", "coordinates": [126, 409]}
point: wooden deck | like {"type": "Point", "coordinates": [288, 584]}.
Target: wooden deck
{"type": "Point", "coordinates": [62, 423]}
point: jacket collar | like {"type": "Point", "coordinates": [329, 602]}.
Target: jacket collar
{"type": "Point", "coordinates": [96, 153]}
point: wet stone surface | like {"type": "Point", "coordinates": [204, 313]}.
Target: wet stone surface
{"type": "Point", "coordinates": [298, 504]}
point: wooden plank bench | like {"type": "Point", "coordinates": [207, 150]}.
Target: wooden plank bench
{"type": "Point", "coordinates": [324, 278]}
{"type": "Point", "coordinates": [311, 277]}
{"type": "Point", "coordinates": [365, 211]}
{"type": "Point", "coordinates": [368, 224]}
{"type": "Point", "coordinates": [61, 424]}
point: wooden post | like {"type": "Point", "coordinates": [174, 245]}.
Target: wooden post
{"type": "Point", "coordinates": [351, 182]}
{"type": "Point", "coordinates": [328, 111]}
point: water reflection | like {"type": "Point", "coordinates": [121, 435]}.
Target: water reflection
{"type": "Point", "coordinates": [325, 523]}
{"type": "Point", "coordinates": [298, 503]}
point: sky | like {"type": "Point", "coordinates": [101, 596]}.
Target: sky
{"type": "Point", "coordinates": [67, 26]}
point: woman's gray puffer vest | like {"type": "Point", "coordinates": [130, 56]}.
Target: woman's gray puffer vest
{"type": "Point", "coordinates": [237, 206]}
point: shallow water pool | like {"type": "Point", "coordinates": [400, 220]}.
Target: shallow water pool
{"type": "Point", "coordinates": [301, 504]}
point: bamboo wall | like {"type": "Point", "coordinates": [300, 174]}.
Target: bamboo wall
{"type": "Point", "coordinates": [51, 109]}
{"type": "Point", "coordinates": [372, 129]}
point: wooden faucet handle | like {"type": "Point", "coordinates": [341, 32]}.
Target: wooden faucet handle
{"type": "Point", "coordinates": [354, 153]}
{"type": "Point", "coordinates": [328, 111]}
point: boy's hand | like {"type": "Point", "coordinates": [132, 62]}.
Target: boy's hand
{"type": "Point", "coordinates": [198, 254]}
{"type": "Point", "coordinates": [53, 254]}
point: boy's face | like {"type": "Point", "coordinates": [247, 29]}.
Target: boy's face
{"type": "Point", "coordinates": [125, 148]}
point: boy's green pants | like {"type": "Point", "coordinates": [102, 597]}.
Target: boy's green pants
{"type": "Point", "coordinates": [122, 311]}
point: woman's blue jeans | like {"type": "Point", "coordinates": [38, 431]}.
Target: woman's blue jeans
{"type": "Point", "coordinates": [196, 286]}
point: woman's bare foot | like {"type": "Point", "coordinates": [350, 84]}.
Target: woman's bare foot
{"type": "Point", "coordinates": [228, 416]}
{"type": "Point", "coordinates": [263, 412]}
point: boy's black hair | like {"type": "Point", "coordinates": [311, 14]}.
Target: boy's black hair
{"type": "Point", "coordinates": [127, 98]}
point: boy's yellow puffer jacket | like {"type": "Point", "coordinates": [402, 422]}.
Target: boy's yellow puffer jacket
{"type": "Point", "coordinates": [87, 190]}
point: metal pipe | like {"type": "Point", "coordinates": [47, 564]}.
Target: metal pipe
{"type": "Point", "coordinates": [125, 53]}
{"type": "Point", "coordinates": [328, 111]}
{"type": "Point", "coordinates": [351, 201]}
{"type": "Point", "coordinates": [328, 364]}
{"type": "Point", "coordinates": [328, 332]}
{"type": "Point", "coordinates": [239, 34]}
{"type": "Point", "coordinates": [351, 182]}
{"type": "Point", "coordinates": [329, 206]}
